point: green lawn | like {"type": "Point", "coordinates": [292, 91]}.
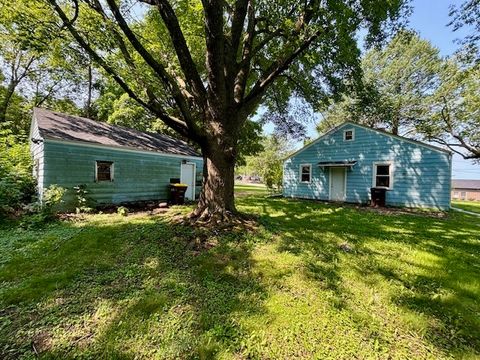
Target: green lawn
{"type": "Point", "coordinates": [246, 189]}
{"type": "Point", "coordinates": [473, 206]}
{"type": "Point", "coordinates": [313, 281]}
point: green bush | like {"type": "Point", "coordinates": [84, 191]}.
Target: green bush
{"type": "Point", "coordinates": [52, 198]}
{"type": "Point", "coordinates": [83, 202]}
{"type": "Point", "coordinates": [43, 211]}
{"type": "Point", "coordinates": [17, 185]}
{"type": "Point", "coordinates": [122, 210]}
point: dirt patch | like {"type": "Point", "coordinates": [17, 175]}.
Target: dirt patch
{"type": "Point", "coordinates": [384, 210]}
{"type": "Point", "coordinates": [143, 207]}
{"type": "Point", "coordinates": [205, 235]}
{"type": "Point", "coordinates": [41, 342]}
{"type": "Point", "coordinates": [134, 207]}
{"type": "Point", "coordinates": [407, 211]}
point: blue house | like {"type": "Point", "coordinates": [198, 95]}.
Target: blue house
{"type": "Point", "coordinates": [117, 164]}
{"type": "Point", "coordinates": [346, 162]}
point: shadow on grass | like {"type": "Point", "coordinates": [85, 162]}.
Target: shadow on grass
{"type": "Point", "coordinates": [124, 288]}
{"type": "Point", "coordinates": [431, 266]}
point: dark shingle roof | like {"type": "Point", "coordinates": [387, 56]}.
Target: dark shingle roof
{"type": "Point", "coordinates": [466, 184]}
{"type": "Point", "coordinates": [54, 125]}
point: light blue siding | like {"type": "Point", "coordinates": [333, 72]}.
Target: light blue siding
{"type": "Point", "coordinates": [137, 175]}
{"type": "Point", "coordinates": [421, 174]}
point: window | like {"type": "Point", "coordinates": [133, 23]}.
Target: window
{"type": "Point", "coordinates": [455, 194]}
{"type": "Point", "coordinates": [104, 171]}
{"type": "Point", "coordinates": [383, 177]}
{"type": "Point", "coordinates": [305, 173]}
{"type": "Point", "coordinates": [348, 135]}
{"type": "Point", "coordinates": [463, 195]}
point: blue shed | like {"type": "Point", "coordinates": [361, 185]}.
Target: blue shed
{"type": "Point", "coordinates": [117, 164]}
{"type": "Point", "coordinates": [346, 162]}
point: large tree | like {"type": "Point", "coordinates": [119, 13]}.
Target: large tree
{"type": "Point", "coordinates": [409, 89]}
{"type": "Point", "coordinates": [453, 117]}
{"type": "Point", "coordinates": [397, 82]}
{"type": "Point", "coordinates": [203, 67]}
{"type": "Point", "coordinates": [38, 65]}
{"type": "Point", "coordinates": [467, 17]}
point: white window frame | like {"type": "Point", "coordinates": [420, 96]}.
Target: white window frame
{"type": "Point", "coordinates": [112, 171]}
{"type": "Point", "coordinates": [345, 134]}
{"type": "Point", "coordinates": [310, 173]}
{"type": "Point", "coordinates": [390, 174]}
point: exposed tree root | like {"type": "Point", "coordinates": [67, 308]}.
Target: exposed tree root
{"type": "Point", "coordinates": [209, 229]}
{"type": "Point", "coordinates": [213, 216]}
{"type": "Point", "coordinates": [218, 221]}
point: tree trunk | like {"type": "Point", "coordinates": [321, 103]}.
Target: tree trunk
{"type": "Point", "coordinates": [6, 102]}
{"type": "Point", "coordinates": [395, 126]}
{"type": "Point", "coordinates": [217, 200]}
{"type": "Point", "coordinates": [88, 112]}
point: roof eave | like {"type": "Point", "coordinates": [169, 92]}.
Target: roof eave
{"type": "Point", "coordinates": [115, 147]}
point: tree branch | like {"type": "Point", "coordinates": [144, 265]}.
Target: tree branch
{"type": "Point", "coordinates": [215, 42]}
{"type": "Point", "coordinates": [184, 56]}
{"type": "Point", "coordinates": [97, 6]}
{"type": "Point", "coordinates": [40, 100]}
{"type": "Point", "coordinates": [244, 66]}
{"type": "Point", "coordinates": [159, 69]}
{"type": "Point", "coordinates": [274, 70]}
{"type": "Point", "coordinates": [448, 121]}
{"type": "Point", "coordinates": [452, 148]}
{"type": "Point", "coordinates": [239, 15]}
{"type": "Point", "coordinates": [155, 108]}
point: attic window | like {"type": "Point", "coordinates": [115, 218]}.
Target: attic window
{"type": "Point", "coordinates": [104, 171]}
{"type": "Point", "coordinates": [348, 135]}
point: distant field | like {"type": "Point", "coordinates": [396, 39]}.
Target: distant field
{"type": "Point", "coordinates": [245, 189]}
{"type": "Point", "coordinates": [473, 206]}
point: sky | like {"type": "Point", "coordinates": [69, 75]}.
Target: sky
{"type": "Point", "coordinates": [430, 18]}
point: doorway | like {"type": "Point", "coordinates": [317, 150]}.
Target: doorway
{"type": "Point", "coordinates": [338, 183]}
{"type": "Point", "coordinates": [187, 176]}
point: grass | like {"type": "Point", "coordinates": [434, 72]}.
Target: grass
{"type": "Point", "coordinates": [314, 281]}
{"type": "Point", "coordinates": [473, 206]}
{"type": "Point", "coordinates": [246, 189]}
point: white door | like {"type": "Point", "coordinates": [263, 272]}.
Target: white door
{"type": "Point", "coordinates": [187, 176]}
{"type": "Point", "coordinates": [337, 184]}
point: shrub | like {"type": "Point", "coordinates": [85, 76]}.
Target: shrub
{"type": "Point", "coordinates": [52, 198]}
{"type": "Point", "coordinates": [122, 210]}
{"type": "Point", "coordinates": [84, 203]}
{"type": "Point", "coordinates": [17, 185]}
{"type": "Point", "coordinates": [43, 211]}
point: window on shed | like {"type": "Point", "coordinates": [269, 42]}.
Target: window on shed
{"type": "Point", "coordinates": [383, 176]}
{"type": "Point", "coordinates": [348, 135]}
{"type": "Point", "coordinates": [305, 173]}
{"type": "Point", "coordinates": [104, 171]}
